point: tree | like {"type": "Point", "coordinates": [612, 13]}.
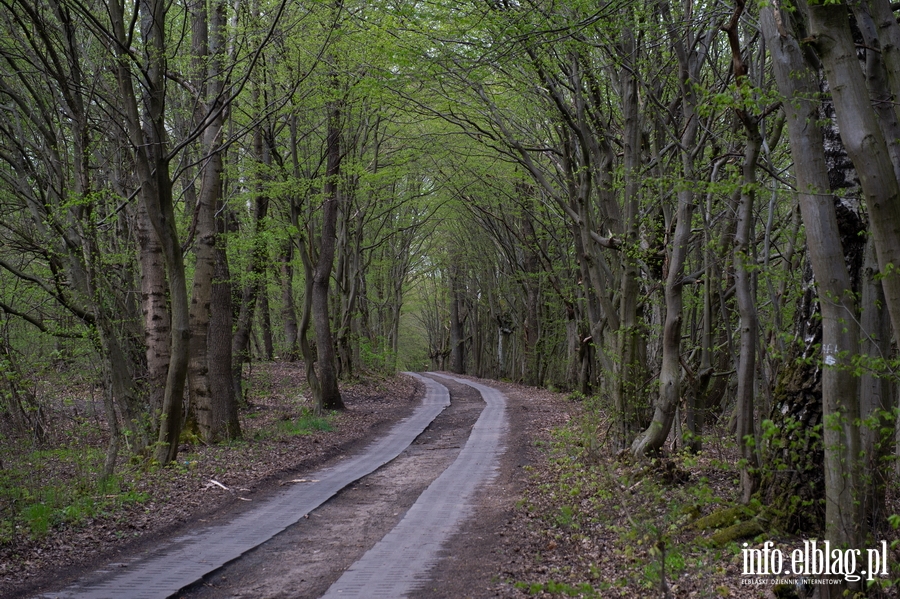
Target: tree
{"type": "Point", "coordinates": [838, 305]}
{"type": "Point", "coordinates": [47, 152]}
{"type": "Point", "coordinates": [214, 421]}
{"type": "Point", "coordinates": [691, 50]}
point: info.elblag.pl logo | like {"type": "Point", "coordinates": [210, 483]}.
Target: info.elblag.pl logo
{"type": "Point", "coordinates": [816, 559]}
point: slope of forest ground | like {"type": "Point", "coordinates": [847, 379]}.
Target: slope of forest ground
{"type": "Point", "coordinates": [584, 523]}
{"type": "Point", "coordinates": [591, 524]}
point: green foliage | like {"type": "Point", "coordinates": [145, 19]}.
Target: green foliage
{"type": "Point", "coordinates": [566, 516]}
{"type": "Point", "coordinates": [377, 356]}
{"type": "Point", "coordinates": [894, 521]}
{"type": "Point", "coordinates": [667, 562]}
{"type": "Point", "coordinates": [37, 517]}
{"type": "Point", "coordinates": [307, 423]}
{"type": "Point", "coordinates": [887, 270]}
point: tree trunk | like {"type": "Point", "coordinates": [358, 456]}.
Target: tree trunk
{"type": "Point", "coordinates": [654, 437]}
{"type": "Point", "coordinates": [223, 415]}
{"type": "Point", "coordinates": [531, 358]}
{"type": "Point", "coordinates": [210, 375]}
{"type": "Point", "coordinates": [629, 374]}
{"type": "Point", "coordinates": [744, 265]}
{"type": "Point", "coordinates": [112, 421]}
{"type": "Point", "coordinates": [307, 350]}
{"type": "Point", "coordinates": [288, 307]}
{"type": "Point", "coordinates": [573, 342]}
{"type": "Point", "coordinates": [347, 277]}
{"type": "Point", "coordinates": [256, 269]}
{"type": "Point", "coordinates": [876, 396]}
{"type": "Point", "coordinates": [148, 138]}
{"type": "Point", "coordinates": [330, 395]}
{"type": "Point", "coordinates": [840, 406]}
{"type": "Point", "coordinates": [154, 307]}
{"type": "Point", "coordinates": [792, 481]}
{"type": "Point", "coordinates": [27, 414]}
{"type": "Point", "coordinates": [864, 140]}
{"type": "Point", "coordinates": [265, 321]}
{"type": "Point", "coordinates": [457, 332]}
{"type": "Point", "coordinates": [205, 254]}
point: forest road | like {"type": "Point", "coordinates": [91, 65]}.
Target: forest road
{"type": "Point", "coordinates": [390, 534]}
{"type": "Point", "coordinates": [400, 561]}
{"type": "Point", "coordinates": [164, 570]}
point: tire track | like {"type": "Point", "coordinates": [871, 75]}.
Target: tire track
{"type": "Point", "coordinates": [400, 562]}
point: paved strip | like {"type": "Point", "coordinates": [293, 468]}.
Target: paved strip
{"type": "Point", "coordinates": [400, 562]}
{"type": "Point", "coordinates": [188, 558]}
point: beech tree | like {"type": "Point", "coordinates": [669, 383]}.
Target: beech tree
{"type": "Point", "coordinates": [48, 165]}
{"type": "Point", "coordinates": [216, 414]}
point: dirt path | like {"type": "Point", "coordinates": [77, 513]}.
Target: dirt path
{"type": "Point", "coordinates": [398, 563]}
{"type": "Point", "coordinates": [309, 557]}
{"type": "Point", "coordinates": [180, 561]}
{"type": "Point", "coordinates": [483, 557]}
{"type": "Point", "coordinates": [179, 499]}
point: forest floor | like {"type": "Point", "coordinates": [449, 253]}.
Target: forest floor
{"type": "Point", "coordinates": [562, 518]}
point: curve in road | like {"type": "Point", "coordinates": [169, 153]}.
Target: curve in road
{"type": "Point", "coordinates": [401, 560]}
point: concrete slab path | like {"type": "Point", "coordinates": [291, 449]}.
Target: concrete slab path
{"type": "Point", "coordinates": [401, 560]}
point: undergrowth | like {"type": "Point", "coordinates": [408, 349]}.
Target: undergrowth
{"type": "Point", "coordinates": [610, 526]}
{"type": "Point", "coordinates": [307, 423]}
{"type": "Point", "coordinates": [43, 487]}
{"type": "Point", "coordinates": [623, 527]}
